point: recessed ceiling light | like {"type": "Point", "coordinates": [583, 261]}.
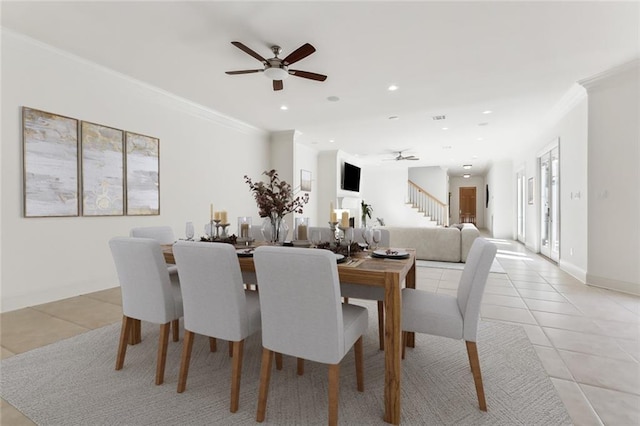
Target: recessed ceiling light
{"type": "Point", "coordinates": [393, 117]}
{"type": "Point", "coordinates": [475, 157]}
{"type": "Point", "coordinates": [445, 128]}
{"type": "Point", "coordinates": [284, 107]}
{"type": "Point", "coordinates": [331, 140]}
{"type": "Point", "coordinates": [480, 139]}
{"type": "Point", "coordinates": [487, 112]}
{"type": "Point", "coordinates": [333, 99]}
{"type": "Point", "coordinates": [392, 88]}
{"type": "Point", "coordinates": [466, 175]}
{"type": "Point", "coordinates": [466, 166]}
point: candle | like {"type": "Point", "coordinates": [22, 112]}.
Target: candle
{"type": "Point", "coordinates": [216, 215]}
{"type": "Point", "coordinates": [223, 216]}
{"type": "Point", "coordinates": [244, 230]}
{"type": "Point", "coordinates": [331, 212]}
{"type": "Point", "coordinates": [345, 219]}
{"type": "Point", "coordinates": [211, 210]}
{"type": "Point", "coordinates": [302, 232]}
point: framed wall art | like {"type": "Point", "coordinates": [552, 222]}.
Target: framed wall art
{"type": "Point", "coordinates": [305, 180]}
{"type": "Point", "coordinates": [102, 170]}
{"type": "Point", "coordinates": [50, 164]}
{"type": "Point", "coordinates": [143, 174]}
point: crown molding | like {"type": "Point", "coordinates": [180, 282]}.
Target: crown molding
{"type": "Point", "coordinates": [596, 79]}
{"type": "Point", "coordinates": [567, 102]}
{"type": "Point", "coordinates": [145, 90]}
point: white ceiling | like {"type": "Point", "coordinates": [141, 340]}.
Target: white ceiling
{"type": "Point", "coordinates": [457, 59]}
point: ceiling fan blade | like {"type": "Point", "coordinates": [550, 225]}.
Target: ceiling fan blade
{"type": "Point", "coordinates": [242, 72]}
{"type": "Point", "coordinates": [412, 158]}
{"type": "Point", "coordinates": [277, 85]}
{"type": "Point", "coordinates": [245, 49]}
{"type": "Point", "coordinates": [309, 75]}
{"type": "Point", "coordinates": [298, 54]}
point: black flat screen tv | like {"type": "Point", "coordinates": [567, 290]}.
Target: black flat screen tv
{"type": "Point", "coordinates": [351, 177]}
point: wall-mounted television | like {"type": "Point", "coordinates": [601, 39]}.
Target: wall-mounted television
{"type": "Point", "coordinates": [351, 177]}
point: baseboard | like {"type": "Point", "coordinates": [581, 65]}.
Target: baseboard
{"type": "Point", "coordinates": [608, 283]}
{"type": "Point", "coordinates": [573, 270]}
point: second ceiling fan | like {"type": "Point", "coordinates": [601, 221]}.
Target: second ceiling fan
{"type": "Point", "coordinates": [277, 69]}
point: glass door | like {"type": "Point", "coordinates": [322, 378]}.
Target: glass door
{"type": "Point", "coordinates": [550, 204]}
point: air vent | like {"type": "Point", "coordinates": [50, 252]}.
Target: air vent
{"type": "Point", "coordinates": [439, 117]}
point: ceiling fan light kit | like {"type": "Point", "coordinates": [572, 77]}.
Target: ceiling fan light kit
{"type": "Point", "coordinates": [277, 69]}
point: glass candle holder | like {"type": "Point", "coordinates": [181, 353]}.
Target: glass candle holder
{"type": "Point", "coordinates": [301, 230]}
{"type": "Point", "coordinates": [244, 227]}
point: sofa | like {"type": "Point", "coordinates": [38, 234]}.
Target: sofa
{"type": "Point", "coordinates": [442, 244]}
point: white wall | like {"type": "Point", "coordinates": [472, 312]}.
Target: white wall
{"type": "Point", "coordinates": [306, 158]}
{"type": "Point", "coordinates": [457, 182]}
{"type": "Point", "coordinates": [500, 214]}
{"type": "Point", "coordinates": [614, 178]}
{"type": "Point", "coordinates": [385, 188]}
{"type": "Point", "coordinates": [204, 157]}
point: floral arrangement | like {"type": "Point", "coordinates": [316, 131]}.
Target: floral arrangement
{"type": "Point", "coordinates": [276, 197]}
{"type": "Point", "coordinates": [367, 209]}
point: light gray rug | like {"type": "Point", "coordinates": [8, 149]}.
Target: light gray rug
{"type": "Point", "coordinates": [496, 268]}
{"type": "Point", "coordinates": [73, 382]}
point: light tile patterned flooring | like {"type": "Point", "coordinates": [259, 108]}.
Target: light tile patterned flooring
{"type": "Point", "coordinates": [588, 339]}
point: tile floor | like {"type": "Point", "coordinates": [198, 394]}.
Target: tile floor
{"type": "Point", "coordinates": [588, 339]}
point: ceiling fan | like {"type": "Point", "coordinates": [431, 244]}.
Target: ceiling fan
{"type": "Point", "coordinates": [277, 69]}
{"type": "Point", "coordinates": [401, 157]}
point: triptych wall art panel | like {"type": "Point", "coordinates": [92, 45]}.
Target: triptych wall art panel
{"type": "Point", "coordinates": [76, 167]}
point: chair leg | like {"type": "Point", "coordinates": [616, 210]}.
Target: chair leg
{"type": "Point", "coordinates": [187, 346]}
{"type": "Point", "coordinates": [265, 376]}
{"type": "Point", "coordinates": [124, 337]}
{"type": "Point", "coordinates": [162, 352]}
{"type": "Point", "coordinates": [135, 335]}
{"type": "Point", "coordinates": [175, 328]}
{"type": "Point", "coordinates": [334, 388]}
{"type": "Point", "coordinates": [213, 346]}
{"type": "Point", "coordinates": [236, 372]}
{"type": "Point", "coordinates": [381, 324]}
{"type": "Point", "coordinates": [278, 361]}
{"type": "Point", "coordinates": [405, 336]}
{"type": "Point", "coordinates": [472, 351]}
{"type": "Point", "coordinates": [300, 366]}
{"type": "Point", "coordinates": [359, 364]}
{"type": "Point", "coordinates": [230, 349]}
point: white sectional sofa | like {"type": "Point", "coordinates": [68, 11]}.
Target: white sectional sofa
{"type": "Point", "coordinates": [450, 244]}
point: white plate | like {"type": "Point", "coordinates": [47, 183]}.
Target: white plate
{"type": "Point", "coordinates": [339, 257]}
{"type": "Point", "coordinates": [248, 252]}
{"type": "Point", "coordinates": [395, 254]}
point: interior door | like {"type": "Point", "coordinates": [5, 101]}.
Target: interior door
{"type": "Point", "coordinates": [468, 205]}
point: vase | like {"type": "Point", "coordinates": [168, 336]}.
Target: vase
{"type": "Point", "coordinates": [275, 229]}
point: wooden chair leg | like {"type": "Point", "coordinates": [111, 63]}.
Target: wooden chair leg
{"type": "Point", "coordinates": [187, 346]}
{"type": "Point", "coordinates": [213, 346]}
{"type": "Point", "coordinates": [175, 328]}
{"type": "Point", "coordinates": [346, 300]}
{"type": "Point", "coordinates": [124, 338]}
{"type": "Point", "coordinates": [278, 361]}
{"type": "Point", "coordinates": [381, 324]}
{"type": "Point", "coordinates": [135, 335]}
{"type": "Point", "coordinates": [405, 336]}
{"type": "Point", "coordinates": [300, 366]}
{"type": "Point", "coordinates": [162, 352]}
{"type": "Point", "coordinates": [265, 376]}
{"type": "Point", "coordinates": [472, 351]}
{"type": "Point", "coordinates": [359, 364]}
{"type": "Point", "coordinates": [230, 349]}
{"type": "Point", "coordinates": [236, 372]}
{"type": "Point", "coordinates": [334, 388]}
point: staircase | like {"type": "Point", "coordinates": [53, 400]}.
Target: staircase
{"type": "Point", "coordinates": [427, 205]}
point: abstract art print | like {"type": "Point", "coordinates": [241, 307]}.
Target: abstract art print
{"type": "Point", "coordinates": [143, 174]}
{"type": "Point", "coordinates": [50, 144]}
{"type": "Point", "coordinates": [305, 180]}
{"type": "Point", "coordinates": [102, 170]}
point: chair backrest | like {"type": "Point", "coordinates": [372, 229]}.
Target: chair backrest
{"type": "Point", "coordinates": [144, 280]}
{"type": "Point", "coordinates": [300, 303]}
{"type": "Point", "coordinates": [472, 284]}
{"type": "Point", "coordinates": [162, 234]}
{"type": "Point", "coordinates": [212, 290]}
{"type": "Point", "coordinates": [325, 232]}
{"type": "Point", "coordinates": [385, 237]}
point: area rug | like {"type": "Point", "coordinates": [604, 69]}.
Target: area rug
{"type": "Point", "coordinates": [73, 382]}
{"type": "Point", "coordinates": [496, 268]}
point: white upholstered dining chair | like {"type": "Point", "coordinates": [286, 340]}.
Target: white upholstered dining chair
{"type": "Point", "coordinates": [147, 293]}
{"type": "Point", "coordinates": [215, 304]}
{"type": "Point", "coordinates": [355, 291]}
{"type": "Point", "coordinates": [302, 316]}
{"type": "Point", "coordinates": [454, 317]}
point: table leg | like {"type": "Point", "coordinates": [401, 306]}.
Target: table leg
{"type": "Point", "coordinates": [410, 282]}
{"type": "Point", "coordinates": [392, 348]}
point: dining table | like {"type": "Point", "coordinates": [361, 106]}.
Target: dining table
{"type": "Point", "coordinates": [386, 272]}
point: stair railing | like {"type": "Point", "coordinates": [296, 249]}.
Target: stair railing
{"type": "Point", "coordinates": [428, 204]}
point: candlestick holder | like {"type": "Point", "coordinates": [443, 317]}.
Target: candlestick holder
{"type": "Point", "coordinates": [221, 230]}
{"type": "Point", "coordinates": [347, 233]}
{"type": "Point", "coordinates": [335, 231]}
{"type": "Point", "coordinates": [215, 223]}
